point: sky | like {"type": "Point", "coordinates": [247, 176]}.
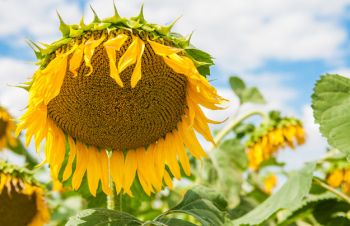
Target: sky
{"type": "Point", "coordinates": [280, 46]}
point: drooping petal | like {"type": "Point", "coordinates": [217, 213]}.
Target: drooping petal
{"type": "Point", "coordinates": [89, 50]}
{"type": "Point", "coordinates": [117, 169]}
{"type": "Point", "coordinates": [93, 170]}
{"type": "Point", "coordinates": [75, 60]}
{"type": "Point", "coordinates": [163, 50]}
{"type": "Point", "coordinates": [72, 153]}
{"type": "Point", "coordinates": [81, 165]}
{"type": "Point", "coordinates": [111, 46]}
{"type": "Point", "coordinates": [130, 171]}
{"type": "Point", "coordinates": [131, 56]}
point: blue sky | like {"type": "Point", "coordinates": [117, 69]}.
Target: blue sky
{"type": "Point", "coordinates": [280, 46]}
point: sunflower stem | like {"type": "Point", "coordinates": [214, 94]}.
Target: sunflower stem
{"type": "Point", "coordinates": [235, 123]}
{"type": "Point", "coordinates": [331, 189]}
{"type": "Point", "coordinates": [110, 197]}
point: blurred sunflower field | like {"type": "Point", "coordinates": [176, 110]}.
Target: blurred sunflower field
{"type": "Point", "coordinates": [117, 130]}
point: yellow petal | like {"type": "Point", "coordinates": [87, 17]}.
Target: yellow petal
{"type": "Point", "coordinates": [75, 60]}
{"type": "Point", "coordinates": [103, 164]}
{"type": "Point", "coordinates": [168, 180]}
{"type": "Point", "coordinates": [191, 140]}
{"type": "Point", "coordinates": [129, 170]}
{"type": "Point", "coordinates": [117, 169]}
{"type": "Point", "coordinates": [72, 152]}
{"type": "Point", "coordinates": [181, 152]}
{"type": "Point", "coordinates": [81, 164]}
{"type": "Point", "coordinates": [143, 171]}
{"type": "Point", "coordinates": [131, 56]}
{"type": "Point", "coordinates": [171, 155]}
{"type": "Point", "coordinates": [89, 50]}
{"type": "Point", "coordinates": [93, 170]}
{"type": "Point", "coordinates": [111, 46]}
{"type": "Point", "coordinates": [163, 50]}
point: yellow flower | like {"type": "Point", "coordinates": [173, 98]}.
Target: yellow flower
{"type": "Point", "coordinates": [340, 178]}
{"type": "Point", "coordinates": [22, 202]}
{"type": "Point", "coordinates": [7, 129]}
{"type": "Point", "coordinates": [270, 183]}
{"type": "Point", "coordinates": [268, 143]}
{"type": "Point", "coordinates": [125, 88]}
{"type": "Point", "coordinates": [335, 178]}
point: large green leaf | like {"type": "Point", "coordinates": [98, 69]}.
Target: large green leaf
{"type": "Point", "coordinates": [201, 207]}
{"type": "Point", "coordinates": [331, 105]}
{"type": "Point", "coordinates": [305, 208]}
{"type": "Point", "coordinates": [332, 212]}
{"type": "Point", "coordinates": [103, 217]}
{"type": "Point", "coordinates": [289, 196]}
{"type": "Point", "coordinates": [244, 93]}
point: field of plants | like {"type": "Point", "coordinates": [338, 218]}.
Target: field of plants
{"type": "Point", "coordinates": [118, 111]}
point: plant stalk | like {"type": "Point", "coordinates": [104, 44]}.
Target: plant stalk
{"type": "Point", "coordinates": [333, 190]}
{"type": "Point", "coordinates": [110, 197]}
{"type": "Point", "coordinates": [235, 123]}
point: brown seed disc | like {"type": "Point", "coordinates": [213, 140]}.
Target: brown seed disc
{"type": "Point", "coordinates": [3, 126]}
{"type": "Point", "coordinates": [97, 111]}
{"type": "Point", "coordinates": [16, 209]}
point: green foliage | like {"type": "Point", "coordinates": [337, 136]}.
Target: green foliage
{"type": "Point", "coordinates": [331, 105]}
{"type": "Point", "coordinates": [289, 196]}
{"type": "Point", "coordinates": [103, 217]}
{"type": "Point", "coordinates": [244, 93]}
{"type": "Point", "coordinates": [202, 205]}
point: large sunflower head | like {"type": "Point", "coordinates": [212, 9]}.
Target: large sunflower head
{"type": "Point", "coordinates": [125, 87]}
{"type": "Point", "coordinates": [7, 129]}
{"type": "Point", "coordinates": [22, 199]}
{"type": "Point", "coordinates": [269, 138]}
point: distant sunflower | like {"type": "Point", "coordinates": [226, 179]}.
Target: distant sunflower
{"type": "Point", "coordinates": [286, 132]}
{"type": "Point", "coordinates": [21, 200]}
{"type": "Point", "coordinates": [123, 86]}
{"type": "Point", "coordinates": [7, 129]}
{"type": "Point", "coordinates": [270, 183]}
{"type": "Point", "coordinates": [340, 178]}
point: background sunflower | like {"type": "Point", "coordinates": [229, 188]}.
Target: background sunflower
{"type": "Point", "coordinates": [21, 197]}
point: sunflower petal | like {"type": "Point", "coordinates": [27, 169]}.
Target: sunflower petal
{"type": "Point", "coordinates": [163, 50]}
{"type": "Point", "coordinates": [111, 46]}
{"type": "Point", "coordinates": [89, 50]}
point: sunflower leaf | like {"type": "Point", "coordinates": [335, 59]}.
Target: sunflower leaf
{"type": "Point", "coordinates": [244, 93]}
{"type": "Point", "coordinates": [289, 196]}
{"type": "Point", "coordinates": [96, 217]}
{"type": "Point", "coordinates": [331, 105]}
{"type": "Point", "coordinates": [201, 205]}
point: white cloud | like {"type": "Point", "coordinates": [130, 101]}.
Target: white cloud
{"type": "Point", "coordinates": [242, 35]}
{"type": "Point", "coordinates": [34, 19]}
{"type": "Point", "coordinates": [12, 73]}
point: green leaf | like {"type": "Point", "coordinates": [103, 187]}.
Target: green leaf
{"type": "Point", "coordinates": [200, 207]}
{"type": "Point", "coordinates": [102, 217]}
{"type": "Point", "coordinates": [244, 93]}
{"type": "Point", "coordinates": [289, 196]}
{"type": "Point", "coordinates": [175, 222]}
{"type": "Point", "coordinates": [305, 208]}
{"type": "Point", "coordinates": [229, 159]}
{"type": "Point", "coordinates": [332, 212]}
{"type": "Point", "coordinates": [331, 105]}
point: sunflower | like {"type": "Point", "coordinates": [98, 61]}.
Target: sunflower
{"type": "Point", "coordinates": [22, 199]}
{"type": "Point", "coordinates": [270, 183]}
{"type": "Point", "coordinates": [7, 129]}
{"type": "Point", "coordinates": [121, 98]}
{"type": "Point", "coordinates": [340, 178]}
{"type": "Point", "coordinates": [266, 143]}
